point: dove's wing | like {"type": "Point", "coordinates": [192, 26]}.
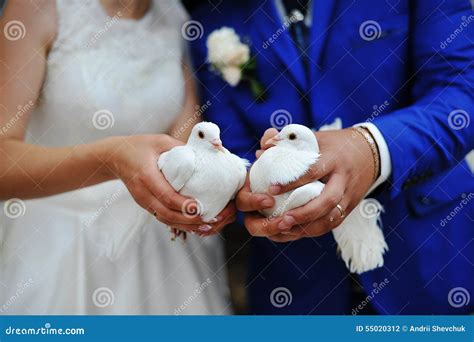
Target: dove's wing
{"type": "Point", "coordinates": [279, 166]}
{"type": "Point", "coordinates": [178, 165]}
{"type": "Point", "coordinates": [242, 164]}
{"type": "Point", "coordinates": [302, 195]}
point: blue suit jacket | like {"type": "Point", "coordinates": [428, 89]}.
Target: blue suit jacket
{"type": "Point", "coordinates": [417, 70]}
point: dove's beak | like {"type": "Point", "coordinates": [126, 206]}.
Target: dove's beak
{"type": "Point", "coordinates": [217, 143]}
{"type": "Point", "coordinates": [274, 140]}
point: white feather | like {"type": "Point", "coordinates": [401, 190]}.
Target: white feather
{"type": "Point", "coordinates": [178, 165]}
{"type": "Point", "coordinates": [360, 240]}
{"type": "Point", "coordinates": [359, 237]}
{"type": "Point", "coordinates": [198, 170]}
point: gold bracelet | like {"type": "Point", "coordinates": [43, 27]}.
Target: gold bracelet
{"type": "Point", "coordinates": [373, 148]}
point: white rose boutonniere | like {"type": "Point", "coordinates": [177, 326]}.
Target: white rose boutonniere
{"type": "Point", "coordinates": [231, 59]}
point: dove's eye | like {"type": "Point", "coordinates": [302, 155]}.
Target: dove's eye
{"type": "Point", "coordinates": [201, 134]}
{"type": "Point", "coordinates": [292, 136]}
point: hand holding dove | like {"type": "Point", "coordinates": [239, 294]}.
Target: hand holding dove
{"type": "Point", "coordinates": [291, 172]}
{"type": "Point", "coordinates": [206, 172]}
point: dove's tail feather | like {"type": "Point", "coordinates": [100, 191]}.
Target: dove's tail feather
{"type": "Point", "coordinates": [360, 239]}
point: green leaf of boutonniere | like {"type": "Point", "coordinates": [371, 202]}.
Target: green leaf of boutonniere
{"type": "Point", "coordinates": [249, 74]}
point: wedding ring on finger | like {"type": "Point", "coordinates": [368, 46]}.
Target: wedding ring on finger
{"type": "Point", "coordinates": [341, 210]}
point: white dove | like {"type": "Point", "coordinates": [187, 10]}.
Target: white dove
{"type": "Point", "coordinates": [204, 170]}
{"type": "Point", "coordinates": [360, 240]}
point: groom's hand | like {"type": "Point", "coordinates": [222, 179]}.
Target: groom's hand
{"type": "Point", "coordinates": [346, 166]}
{"type": "Point", "coordinates": [250, 203]}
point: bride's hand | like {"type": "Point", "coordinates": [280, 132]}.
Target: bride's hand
{"type": "Point", "coordinates": [133, 159]}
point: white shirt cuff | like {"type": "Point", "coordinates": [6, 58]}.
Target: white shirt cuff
{"type": "Point", "coordinates": [385, 161]}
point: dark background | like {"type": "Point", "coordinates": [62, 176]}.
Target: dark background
{"type": "Point", "coordinates": [2, 6]}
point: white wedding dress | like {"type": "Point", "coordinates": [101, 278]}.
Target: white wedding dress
{"type": "Point", "coordinates": [94, 251]}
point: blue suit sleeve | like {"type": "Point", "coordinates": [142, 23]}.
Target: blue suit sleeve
{"type": "Point", "coordinates": [434, 133]}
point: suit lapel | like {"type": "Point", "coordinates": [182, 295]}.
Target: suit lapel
{"type": "Point", "coordinates": [322, 12]}
{"type": "Point", "coordinates": [269, 24]}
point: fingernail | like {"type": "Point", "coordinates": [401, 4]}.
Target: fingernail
{"type": "Point", "coordinates": [286, 223]}
{"type": "Point", "coordinates": [215, 219]}
{"type": "Point", "coordinates": [274, 189]}
{"type": "Point", "coordinates": [205, 228]}
{"type": "Point", "coordinates": [267, 203]}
